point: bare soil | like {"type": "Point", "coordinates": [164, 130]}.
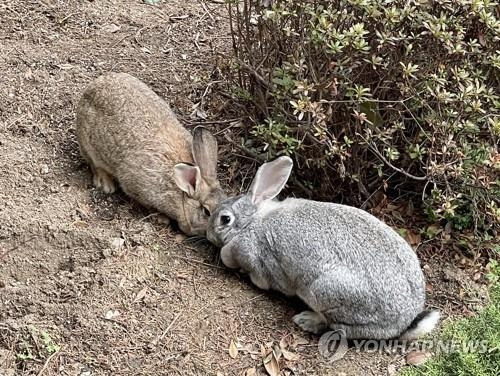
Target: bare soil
{"type": "Point", "coordinates": [96, 285]}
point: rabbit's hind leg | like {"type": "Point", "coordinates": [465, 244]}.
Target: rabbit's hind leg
{"type": "Point", "coordinates": [310, 321]}
{"type": "Point", "coordinates": [100, 177]}
{"type": "Point", "coordinates": [103, 180]}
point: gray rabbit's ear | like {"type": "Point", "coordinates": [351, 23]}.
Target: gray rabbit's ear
{"type": "Point", "coordinates": [205, 152]}
{"type": "Point", "coordinates": [270, 179]}
{"type": "Point", "coordinates": [187, 177]}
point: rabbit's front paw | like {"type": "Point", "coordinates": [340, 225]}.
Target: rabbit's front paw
{"type": "Point", "coordinates": [310, 321]}
{"type": "Point", "coordinates": [104, 181]}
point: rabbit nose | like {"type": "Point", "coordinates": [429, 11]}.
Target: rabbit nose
{"type": "Point", "coordinates": [212, 238]}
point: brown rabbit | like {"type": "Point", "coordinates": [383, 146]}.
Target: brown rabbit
{"type": "Point", "coordinates": [129, 134]}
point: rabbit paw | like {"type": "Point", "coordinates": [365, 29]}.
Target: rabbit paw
{"type": "Point", "coordinates": [310, 321]}
{"type": "Point", "coordinates": [104, 181]}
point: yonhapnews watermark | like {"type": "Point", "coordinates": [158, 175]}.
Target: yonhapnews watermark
{"type": "Point", "coordinates": [333, 345]}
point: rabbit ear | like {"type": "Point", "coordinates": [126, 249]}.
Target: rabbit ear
{"type": "Point", "coordinates": [187, 177]}
{"type": "Point", "coordinates": [205, 152]}
{"type": "Point", "coordinates": [270, 179]}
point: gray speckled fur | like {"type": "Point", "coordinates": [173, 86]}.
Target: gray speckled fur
{"type": "Point", "coordinates": [341, 261]}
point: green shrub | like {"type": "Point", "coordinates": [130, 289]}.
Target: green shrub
{"type": "Point", "coordinates": [369, 95]}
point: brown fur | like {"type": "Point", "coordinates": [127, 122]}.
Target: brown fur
{"type": "Point", "coordinates": [129, 134]}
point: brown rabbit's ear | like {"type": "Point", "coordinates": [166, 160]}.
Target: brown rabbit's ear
{"type": "Point", "coordinates": [187, 177]}
{"type": "Point", "coordinates": [205, 152]}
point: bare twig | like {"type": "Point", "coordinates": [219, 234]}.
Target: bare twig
{"type": "Point", "coordinates": [207, 11]}
{"type": "Point", "coordinates": [170, 325]}
{"type": "Point", "coordinates": [205, 122]}
{"type": "Point", "coordinates": [254, 73]}
{"type": "Point", "coordinates": [48, 361]}
{"type": "Point", "coordinates": [407, 174]}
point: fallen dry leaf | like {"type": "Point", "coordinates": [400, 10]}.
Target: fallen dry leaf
{"type": "Point", "coordinates": [233, 350]}
{"type": "Point", "coordinates": [271, 365]}
{"type": "Point", "coordinates": [288, 355]}
{"type": "Point", "coordinates": [141, 294]}
{"type": "Point", "coordinates": [263, 351]}
{"type": "Point", "coordinates": [249, 349]}
{"type": "Point", "coordinates": [285, 342]}
{"type": "Point", "coordinates": [111, 28]}
{"type": "Point", "coordinates": [416, 358]}
{"type": "Point", "coordinates": [80, 224]}
{"type": "Point", "coordinates": [251, 372]}
{"type": "Point", "coordinates": [297, 340]}
{"type": "Point", "coordinates": [428, 288]}
{"type": "Point", "coordinates": [412, 238]}
{"type": "Point", "coordinates": [277, 352]}
{"type": "Point", "coordinates": [255, 356]}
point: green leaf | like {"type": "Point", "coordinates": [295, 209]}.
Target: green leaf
{"type": "Point", "coordinates": [372, 113]}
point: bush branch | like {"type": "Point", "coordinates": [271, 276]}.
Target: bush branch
{"type": "Point", "coordinates": [384, 159]}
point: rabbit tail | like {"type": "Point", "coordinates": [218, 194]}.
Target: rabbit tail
{"type": "Point", "coordinates": [424, 323]}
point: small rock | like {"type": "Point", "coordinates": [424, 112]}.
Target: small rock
{"type": "Point", "coordinates": [111, 314]}
{"type": "Point", "coordinates": [117, 243]}
{"type": "Point", "coordinates": [417, 358]}
{"type": "Point", "coordinates": [107, 253]}
{"type": "Point", "coordinates": [44, 169]}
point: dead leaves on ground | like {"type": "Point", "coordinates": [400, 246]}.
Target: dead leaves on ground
{"type": "Point", "coordinates": [141, 294]}
{"type": "Point", "coordinates": [233, 350]}
{"type": "Point", "coordinates": [276, 358]}
{"type": "Point", "coordinates": [271, 364]}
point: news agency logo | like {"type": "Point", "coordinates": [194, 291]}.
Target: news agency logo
{"type": "Point", "coordinates": [333, 345]}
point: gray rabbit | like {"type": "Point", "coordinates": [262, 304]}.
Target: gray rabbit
{"type": "Point", "coordinates": [129, 134]}
{"type": "Point", "coordinates": [353, 271]}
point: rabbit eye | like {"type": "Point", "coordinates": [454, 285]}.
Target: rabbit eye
{"type": "Point", "coordinates": [206, 211]}
{"type": "Point", "coordinates": [225, 219]}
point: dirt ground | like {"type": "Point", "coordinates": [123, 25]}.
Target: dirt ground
{"type": "Point", "coordinates": [95, 285]}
